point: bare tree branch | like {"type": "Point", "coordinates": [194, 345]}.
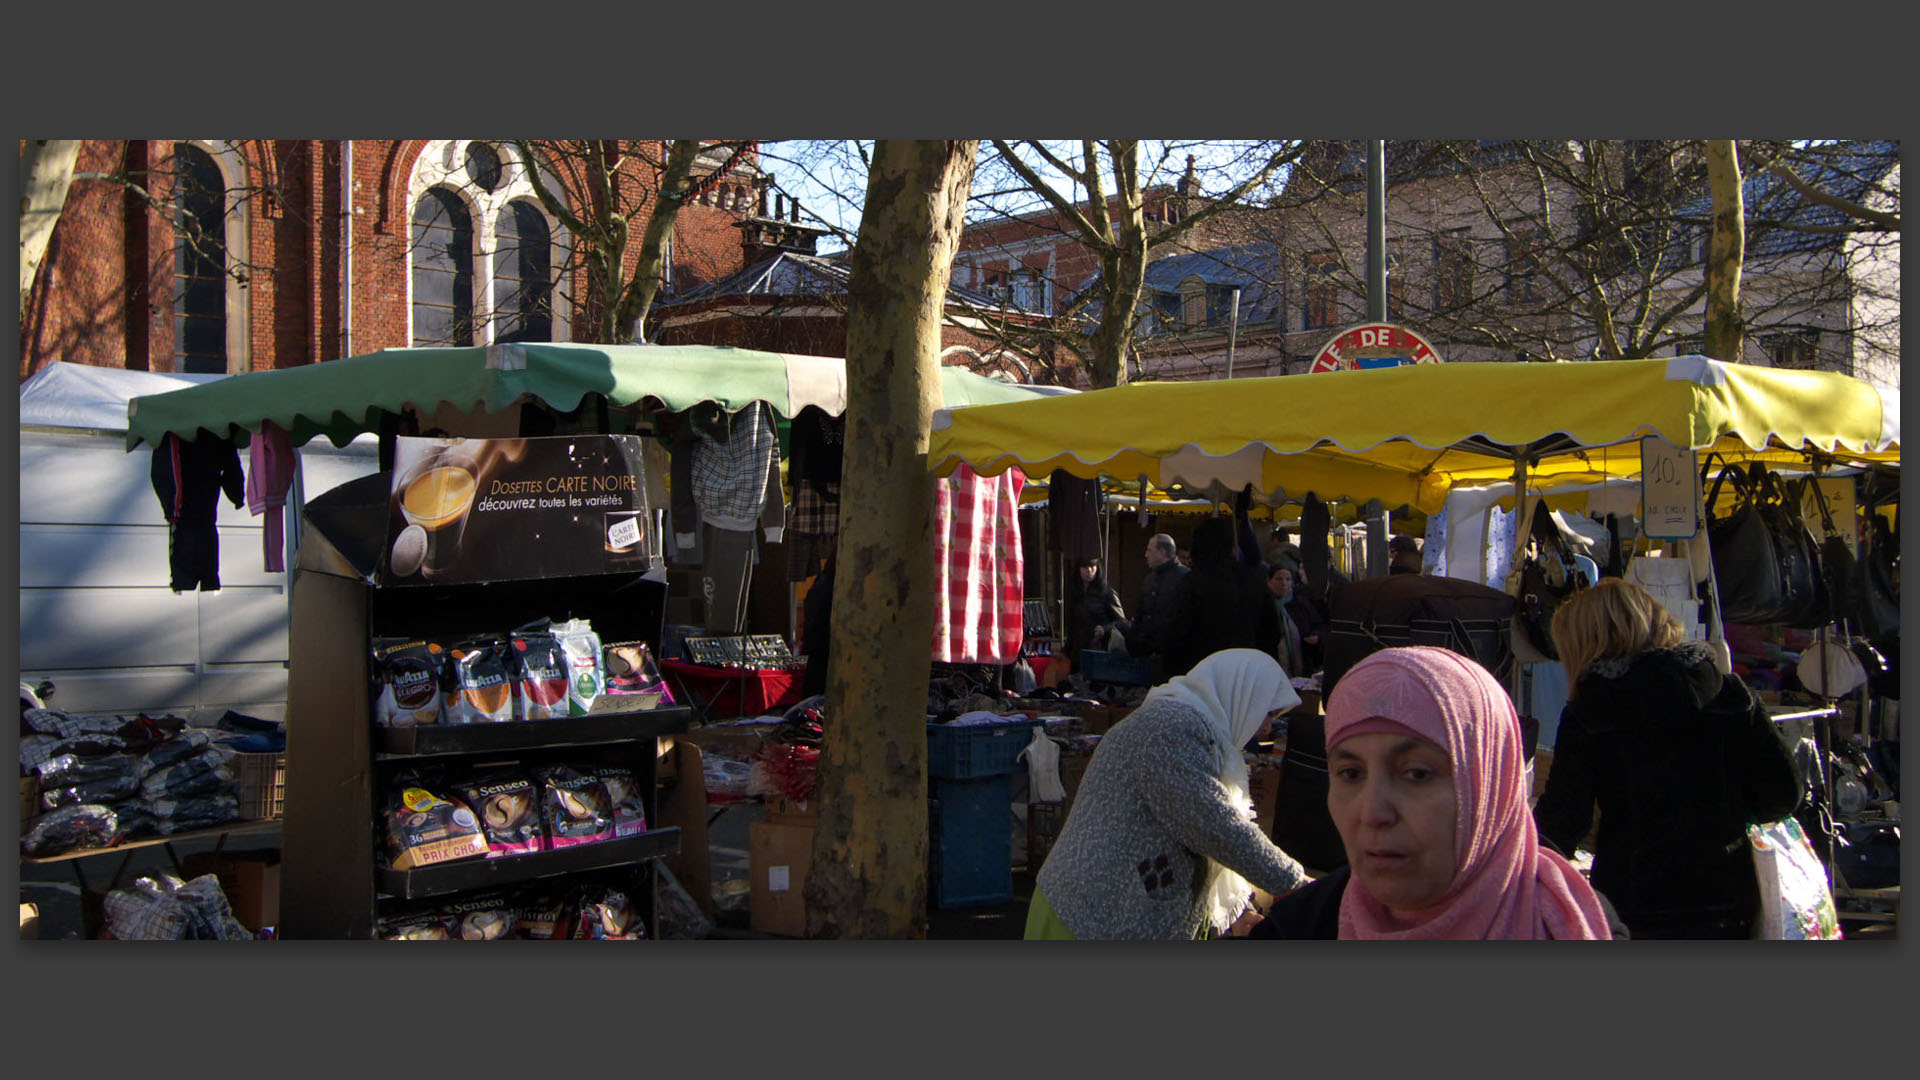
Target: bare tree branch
{"type": "Point", "coordinates": [1876, 219]}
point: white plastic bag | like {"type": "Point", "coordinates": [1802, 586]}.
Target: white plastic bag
{"type": "Point", "coordinates": [1043, 768]}
{"type": "Point", "coordinates": [1796, 903]}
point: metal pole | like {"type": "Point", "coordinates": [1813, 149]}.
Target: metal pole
{"type": "Point", "coordinates": [1233, 331]}
{"type": "Point", "coordinates": [1376, 230]}
{"type": "Point", "coordinates": [1522, 529]}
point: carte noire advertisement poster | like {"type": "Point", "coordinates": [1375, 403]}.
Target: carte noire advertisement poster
{"type": "Point", "coordinates": [472, 510]}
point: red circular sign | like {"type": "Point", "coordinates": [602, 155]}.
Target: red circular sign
{"type": "Point", "coordinates": [1372, 345]}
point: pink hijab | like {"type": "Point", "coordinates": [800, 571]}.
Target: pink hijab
{"type": "Point", "coordinates": [1505, 885]}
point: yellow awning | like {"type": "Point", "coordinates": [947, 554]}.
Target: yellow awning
{"type": "Point", "coordinates": [1407, 435]}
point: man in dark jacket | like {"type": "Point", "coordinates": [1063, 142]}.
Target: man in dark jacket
{"type": "Point", "coordinates": [1403, 555]}
{"type": "Point", "coordinates": [1146, 634]}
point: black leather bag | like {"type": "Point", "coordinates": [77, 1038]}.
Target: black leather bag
{"type": "Point", "coordinates": [1765, 565]}
{"type": "Point", "coordinates": [1875, 601]}
{"type": "Point", "coordinates": [1416, 609]}
{"type": "Point", "coordinates": [1812, 600]}
{"type": "Point", "coordinates": [1547, 578]}
{"type": "Point", "coordinates": [1836, 558]}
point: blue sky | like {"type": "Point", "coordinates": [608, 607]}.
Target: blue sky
{"type": "Point", "coordinates": [829, 176]}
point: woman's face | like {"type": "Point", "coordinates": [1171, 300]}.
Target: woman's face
{"type": "Point", "coordinates": [1089, 571]}
{"type": "Point", "coordinates": [1391, 796]}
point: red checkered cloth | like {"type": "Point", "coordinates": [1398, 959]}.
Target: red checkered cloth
{"type": "Point", "coordinates": [979, 575]}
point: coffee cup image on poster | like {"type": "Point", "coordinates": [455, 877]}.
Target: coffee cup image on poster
{"type": "Point", "coordinates": [473, 510]}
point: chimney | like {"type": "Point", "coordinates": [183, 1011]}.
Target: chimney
{"type": "Point", "coordinates": [775, 228]}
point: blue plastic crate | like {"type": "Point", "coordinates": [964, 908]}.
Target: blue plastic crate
{"type": "Point", "coordinates": [1115, 667]}
{"type": "Point", "coordinates": [971, 856]}
{"type": "Point", "coordinates": [967, 751]}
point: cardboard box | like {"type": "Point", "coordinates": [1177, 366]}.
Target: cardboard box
{"type": "Point", "coordinates": [781, 811]}
{"type": "Point", "coordinates": [737, 741]}
{"type": "Point", "coordinates": [250, 880]}
{"type": "Point", "coordinates": [683, 805]}
{"type": "Point", "coordinates": [778, 856]}
{"type": "Point", "coordinates": [1072, 768]}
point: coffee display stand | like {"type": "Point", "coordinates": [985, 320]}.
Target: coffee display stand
{"type": "Point", "coordinates": [336, 882]}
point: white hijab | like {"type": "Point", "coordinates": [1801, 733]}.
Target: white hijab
{"type": "Point", "coordinates": [1234, 689]}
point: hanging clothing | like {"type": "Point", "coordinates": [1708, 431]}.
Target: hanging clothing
{"type": "Point", "coordinates": [1434, 551]}
{"type": "Point", "coordinates": [1073, 513]}
{"type": "Point", "coordinates": [813, 527]}
{"type": "Point", "coordinates": [979, 568]}
{"type": "Point", "coordinates": [726, 570]}
{"type": "Point", "coordinates": [270, 466]}
{"type": "Point", "coordinates": [1246, 546]}
{"type": "Point", "coordinates": [728, 468]}
{"type": "Point", "coordinates": [1219, 604]}
{"type": "Point", "coordinates": [188, 478]}
{"type": "Point", "coordinates": [1315, 558]}
{"type": "Point", "coordinates": [1501, 532]}
{"type": "Point", "coordinates": [815, 445]}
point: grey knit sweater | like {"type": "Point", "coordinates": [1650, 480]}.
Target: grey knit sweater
{"type": "Point", "coordinates": [1130, 862]}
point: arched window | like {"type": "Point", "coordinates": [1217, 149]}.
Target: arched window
{"type": "Point", "coordinates": [522, 275]}
{"type": "Point", "coordinates": [199, 263]}
{"type": "Point", "coordinates": [442, 270]}
{"type": "Point", "coordinates": [495, 256]}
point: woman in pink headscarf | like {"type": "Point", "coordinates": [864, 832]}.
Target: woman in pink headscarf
{"type": "Point", "coordinates": [1427, 789]}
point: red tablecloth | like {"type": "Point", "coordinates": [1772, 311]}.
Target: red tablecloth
{"type": "Point", "coordinates": [733, 691]}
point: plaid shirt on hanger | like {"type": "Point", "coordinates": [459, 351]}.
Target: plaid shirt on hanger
{"type": "Point", "coordinates": [737, 482]}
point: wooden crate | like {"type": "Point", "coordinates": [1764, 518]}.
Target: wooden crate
{"type": "Point", "coordinates": [260, 782]}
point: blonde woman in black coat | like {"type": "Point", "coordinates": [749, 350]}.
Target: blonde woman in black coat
{"type": "Point", "coordinates": [1679, 758]}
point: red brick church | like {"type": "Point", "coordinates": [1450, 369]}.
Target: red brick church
{"type": "Point", "coordinates": [244, 255]}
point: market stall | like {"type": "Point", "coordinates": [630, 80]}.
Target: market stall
{"type": "Point", "coordinates": [379, 571]}
{"type": "Point", "coordinates": [1411, 436]}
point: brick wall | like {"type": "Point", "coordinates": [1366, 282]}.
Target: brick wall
{"type": "Point", "coordinates": [105, 291]}
{"type": "Point", "coordinates": [78, 308]}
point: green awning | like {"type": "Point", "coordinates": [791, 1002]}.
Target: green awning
{"type": "Point", "coordinates": [340, 399]}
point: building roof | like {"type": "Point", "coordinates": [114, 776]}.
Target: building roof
{"type": "Point", "coordinates": [1342, 163]}
{"type": "Point", "coordinates": [793, 275]}
{"type": "Point", "coordinates": [64, 394]}
{"type": "Point", "coordinates": [1846, 169]}
{"type": "Point", "coordinates": [1252, 268]}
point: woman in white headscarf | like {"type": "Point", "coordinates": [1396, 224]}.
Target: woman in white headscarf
{"type": "Point", "coordinates": [1161, 842]}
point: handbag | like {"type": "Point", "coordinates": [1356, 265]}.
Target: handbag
{"type": "Point", "coordinates": [1671, 582]}
{"type": "Point", "coordinates": [1836, 558]}
{"type": "Point", "coordinates": [1546, 579]}
{"type": "Point", "coordinates": [1808, 603]}
{"type": "Point", "coordinates": [1875, 600]}
{"type": "Point", "coordinates": [1764, 562]}
{"type": "Point", "coordinates": [1796, 903]}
